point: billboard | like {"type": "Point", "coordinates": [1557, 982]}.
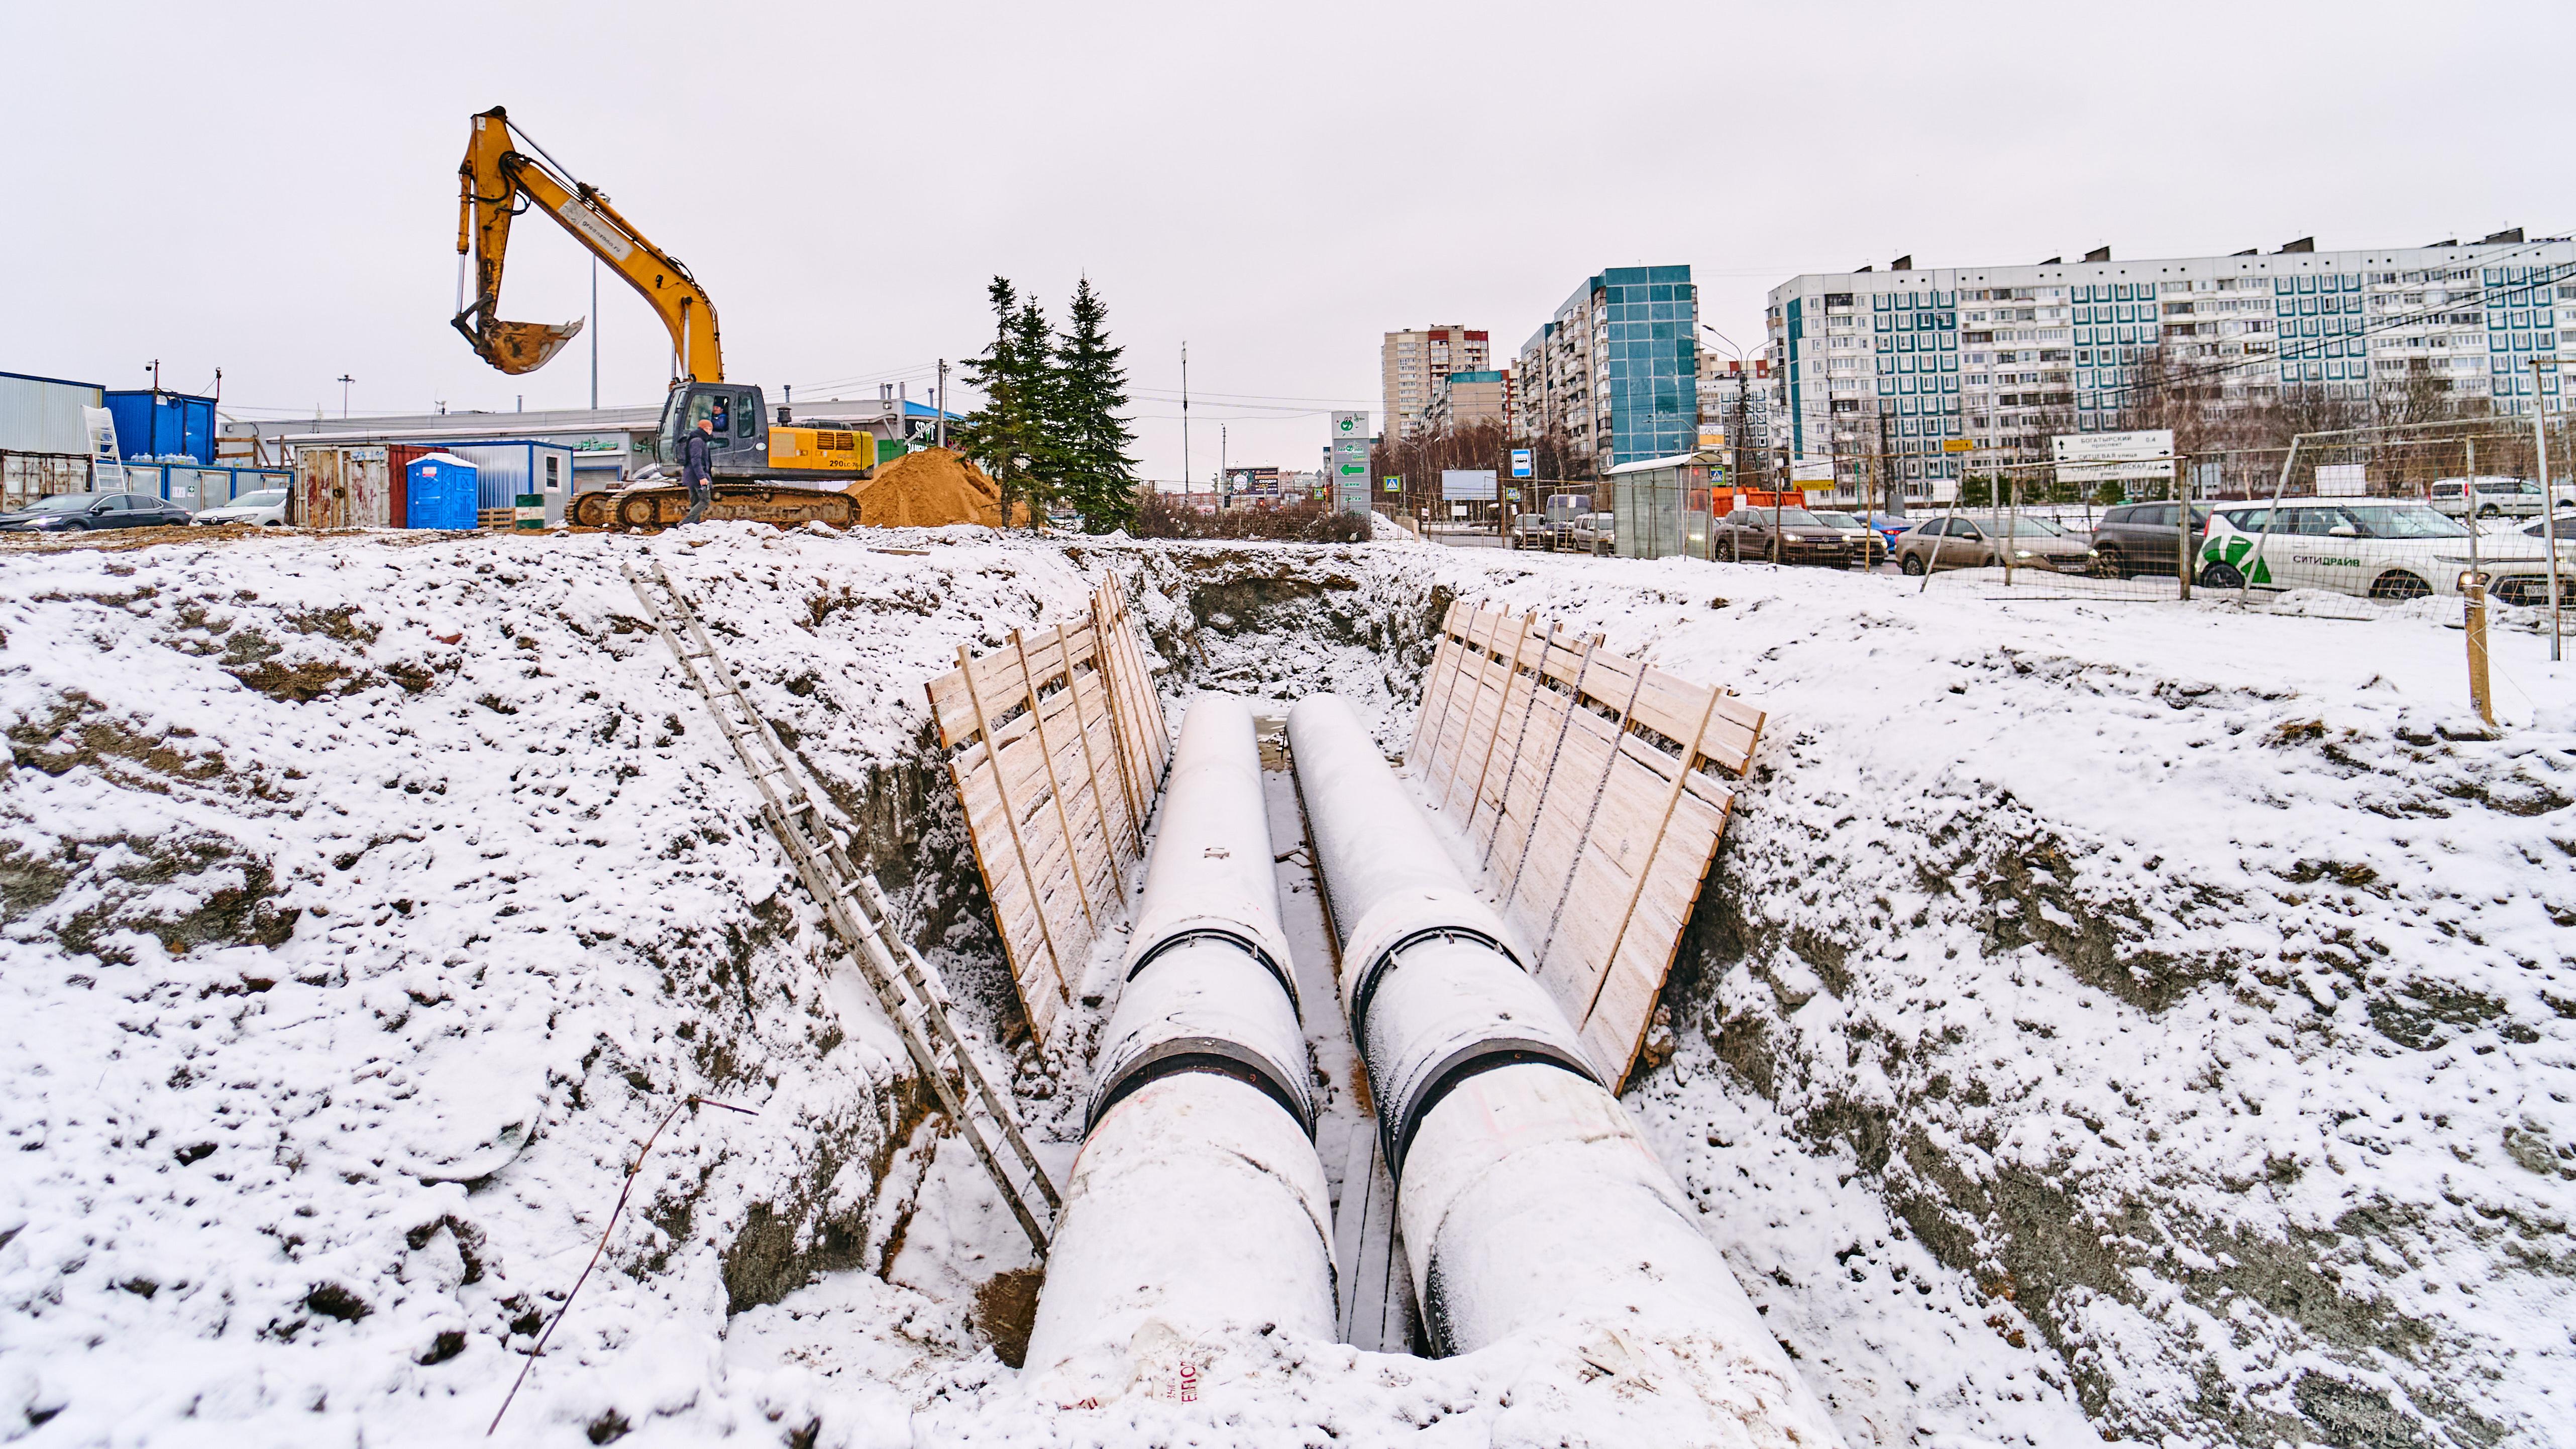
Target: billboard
{"type": "Point", "coordinates": [1470, 485]}
{"type": "Point", "coordinates": [1812, 470]}
{"type": "Point", "coordinates": [2342, 480]}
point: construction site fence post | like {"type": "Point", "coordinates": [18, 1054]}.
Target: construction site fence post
{"type": "Point", "coordinates": [2182, 525]}
{"type": "Point", "coordinates": [2245, 580]}
{"type": "Point", "coordinates": [2473, 590]}
{"type": "Point", "coordinates": [2548, 502]}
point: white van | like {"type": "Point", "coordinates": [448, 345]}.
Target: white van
{"type": "Point", "coordinates": [2497, 497]}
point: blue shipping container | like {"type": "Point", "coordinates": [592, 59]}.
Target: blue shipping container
{"type": "Point", "coordinates": [150, 424]}
{"type": "Point", "coordinates": [442, 491]}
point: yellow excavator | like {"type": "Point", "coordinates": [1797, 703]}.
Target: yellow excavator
{"type": "Point", "coordinates": [753, 454]}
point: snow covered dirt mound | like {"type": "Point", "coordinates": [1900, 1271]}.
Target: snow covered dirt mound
{"type": "Point", "coordinates": [368, 903]}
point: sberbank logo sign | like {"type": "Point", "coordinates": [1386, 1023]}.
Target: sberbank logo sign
{"type": "Point", "coordinates": [2232, 551]}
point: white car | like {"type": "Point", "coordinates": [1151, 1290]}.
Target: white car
{"type": "Point", "coordinates": [2376, 548]}
{"type": "Point", "coordinates": [1594, 533]}
{"type": "Point", "coordinates": [2497, 497]}
{"type": "Point", "coordinates": [265, 508]}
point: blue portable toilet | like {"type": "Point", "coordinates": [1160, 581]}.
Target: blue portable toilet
{"type": "Point", "coordinates": [441, 491]}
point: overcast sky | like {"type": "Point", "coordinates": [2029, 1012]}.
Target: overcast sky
{"type": "Point", "coordinates": [271, 189]}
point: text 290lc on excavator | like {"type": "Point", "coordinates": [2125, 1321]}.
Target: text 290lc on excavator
{"type": "Point", "coordinates": [771, 472]}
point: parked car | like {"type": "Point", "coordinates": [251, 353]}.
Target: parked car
{"type": "Point", "coordinates": [1867, 544]}
{"type": "Point", "coordinates": [64, 512]}
{"type": "Point", "coordinates": [2497, 497]}
{"type": "Point", "coordinates": [1982, 540]}
{"type": "Point", "coordinates": [2566, 526]}
{"type": "Point", "coordinates": [1749, 533]}
{"type": "Point", "coordinates": [1528, 530]}
{"type": "Point", "coordinates": [2371, 547]}
{"type": "Point", "coordinates": [2142, 538]}
{"type": "Point", "coordinates": [1593, 533]}
{"type": "Point", "coordinates": [263, 509]}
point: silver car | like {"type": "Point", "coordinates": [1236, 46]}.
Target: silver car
{"type": "Point", "coordinates": [265, 508]}
{"type": "Point", "coordinates": [1982, 540]}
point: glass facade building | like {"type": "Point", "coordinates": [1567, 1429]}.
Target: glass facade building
{"type": "Point", "coordinates": [1616, 370]}
{"type": "Point", "coordinates": [1652, 380]}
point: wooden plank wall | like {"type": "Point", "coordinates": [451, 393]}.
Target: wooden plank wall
{"type": "Point", "coordinates": [1594, 787]}
{"type": "Point", "coordinates": [1059, 748]}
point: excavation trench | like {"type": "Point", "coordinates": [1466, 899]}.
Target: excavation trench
{"type": "Point", "coordinates": [1276, 626]}
{"type": "Point", "coordinates": [448, 793]}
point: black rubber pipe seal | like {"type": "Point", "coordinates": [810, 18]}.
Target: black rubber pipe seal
{"type": "Point", "coordinates": [1198, 1054]}
{"type": "Point", "coordinates": [1385, 961]}
{"type": "Point", "coordinates": [1471, 1060]}
{"type": "Point", "coordinates": [1247, 947]}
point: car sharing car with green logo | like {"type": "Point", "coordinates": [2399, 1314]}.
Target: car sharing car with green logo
{"type": "Point", "coordinates": [2373, 548]}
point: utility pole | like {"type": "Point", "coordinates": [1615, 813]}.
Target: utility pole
{"type": "Point", "coordinates": [155, 365]}
{"type": "Point", "coordinates": [344, 379]}
{"type": "Point", "coordinates": [1187, 481]}
{"type": "Point", "coordinates": [594, 332]}
{"type": "Point", "coordinates": [941, 402]}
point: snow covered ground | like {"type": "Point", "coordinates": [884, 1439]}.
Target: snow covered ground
{"type": "Point", "coordinates": [2148, 1020]}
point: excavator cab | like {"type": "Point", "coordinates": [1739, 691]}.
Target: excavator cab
{"type": "Point", "coordinates": [740, 426]}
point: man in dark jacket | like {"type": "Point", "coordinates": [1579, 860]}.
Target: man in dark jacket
{"type": "Point", "coordinates": [697, 456]}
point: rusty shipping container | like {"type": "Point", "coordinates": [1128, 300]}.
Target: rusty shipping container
{"type": "Point", "coordinates": [342, 487]}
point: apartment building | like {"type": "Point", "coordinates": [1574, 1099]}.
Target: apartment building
{"type": "Point", "coordinates": [1616, 369]}
{"type": "Point", "coordinates": [1412, 364]}
{"type": "Point", "coordinates": [1463, 398]}
{"type": "Point", "coordinates": [1897, 363]}
{"type": "Point", "coordinates": [1736, 400]}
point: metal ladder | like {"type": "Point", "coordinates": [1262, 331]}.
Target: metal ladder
{"type": "Point", "coordinates": [855, 906]}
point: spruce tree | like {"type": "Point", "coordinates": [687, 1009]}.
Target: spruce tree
{"type": "Point", "coordinates": [994, 435]}
{"type": "Point", "coordinates": [1098, 476]}
{"type": "Point", "coordinates": [1041, 430]}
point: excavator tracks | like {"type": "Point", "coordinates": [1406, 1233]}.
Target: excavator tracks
{"type": "Point", "coordinates": [639, 509]}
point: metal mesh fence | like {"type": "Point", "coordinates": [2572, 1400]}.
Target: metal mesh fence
{"type": "Point", "coordinates": [2385, 515]}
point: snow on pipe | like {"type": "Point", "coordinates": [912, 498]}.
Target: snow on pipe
{"type": "Point", "coordinates": [1529, 1202]}
{"type": "Point", "coordinates": [1198, 1200]}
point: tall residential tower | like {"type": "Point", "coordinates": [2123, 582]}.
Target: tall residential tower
{"type": "Point", "coordinates": [1413, 363]}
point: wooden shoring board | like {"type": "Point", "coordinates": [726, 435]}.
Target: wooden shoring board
{"type": "Point", "coordinates": [1596, 787]}
{"type": "Point", "coordinates": [1058, 746]}
{"type": "Point", "coordinates": [1457, 717]}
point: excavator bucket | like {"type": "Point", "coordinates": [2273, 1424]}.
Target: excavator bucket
{"type": "Point", "coordinates": [516, 347]}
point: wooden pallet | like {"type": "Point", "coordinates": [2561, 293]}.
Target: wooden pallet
{"type": "Point", "coordinates": [1059, 750]}
{"type": "Point", "coordinates": [1595, 787]}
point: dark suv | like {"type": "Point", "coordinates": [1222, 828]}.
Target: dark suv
{"type": "Point", "coordinates": [2141, 538]}
{"type": "Point", "coordinates": [64, 512]}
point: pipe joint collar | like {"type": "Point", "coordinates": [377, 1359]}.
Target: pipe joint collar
{"type": "Point", "coordinates": [1239, 940]}
{"type": "Point", "coordinates": [1211, 1054]}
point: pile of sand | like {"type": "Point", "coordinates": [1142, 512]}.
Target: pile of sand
{"type": "Point", "coordinates": [929, 487]}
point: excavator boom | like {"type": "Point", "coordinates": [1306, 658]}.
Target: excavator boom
{"type": "Point", "coordinates": [498, 182]}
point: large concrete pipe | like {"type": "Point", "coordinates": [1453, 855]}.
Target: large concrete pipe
{"type": "Point", "coordinates": [1529, 1203]}
{"type": "Point", "coordinates": [1198, 1202]}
